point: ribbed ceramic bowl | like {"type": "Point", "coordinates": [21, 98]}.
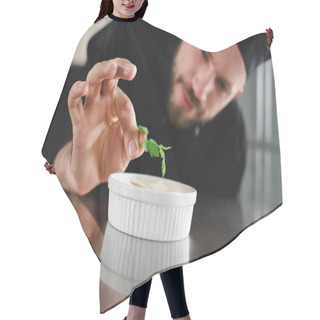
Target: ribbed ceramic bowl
{"type": "Point", "coordinates": [147, 213]}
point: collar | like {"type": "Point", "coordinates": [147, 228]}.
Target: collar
{"type": "Point", "coordinates": [113, 17]}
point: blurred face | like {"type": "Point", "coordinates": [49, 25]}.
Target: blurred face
{"type": "Point", "coordinates": [203, 83]}
{"type": "Point", "coordinates": [126, 8]}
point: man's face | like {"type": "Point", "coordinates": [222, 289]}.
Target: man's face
{"type": "Point", "coordinates": [203, 83]}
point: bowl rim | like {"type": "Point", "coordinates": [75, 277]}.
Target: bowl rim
{"type": "Point", "coordinates": [152, 196]}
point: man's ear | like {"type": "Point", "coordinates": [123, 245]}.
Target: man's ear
{"type": "Point", "coordinates": [239, 93]}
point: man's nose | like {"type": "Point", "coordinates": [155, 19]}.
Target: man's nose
{"type": "Point", "coordinates": [203, 83]}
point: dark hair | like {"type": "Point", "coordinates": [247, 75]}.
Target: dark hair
{"type": "Point", "coordinates": [106, 7]}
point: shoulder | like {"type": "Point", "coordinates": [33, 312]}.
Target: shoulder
{"type": "Point", "coordinates": [94, 32]}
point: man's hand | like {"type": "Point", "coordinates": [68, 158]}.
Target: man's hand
{"type": "Point", "coordinates": [270, 35]}
{"type": "Point", "coordinates": [105, 133]}
{"type": "Point", "coordinates": [49, 168]}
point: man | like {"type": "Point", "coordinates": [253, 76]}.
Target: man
{"type": "Point", "coordinates": [203, 84]}
{"type": "Point", "coordinates": [184, 95]}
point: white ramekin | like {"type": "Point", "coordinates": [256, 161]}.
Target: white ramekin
{"type": "Point", "coordinates": [150, 214]}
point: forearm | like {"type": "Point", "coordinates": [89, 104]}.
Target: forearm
{"type": "Point", "coordinates": [76, 169]}
{"type": "Point", "coordinates": [84, 169]}
{"type": "Point", "coordinates": [62, 167]}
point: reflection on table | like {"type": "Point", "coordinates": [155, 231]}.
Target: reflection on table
{"type": "Point", "coordinates": [127, 261]}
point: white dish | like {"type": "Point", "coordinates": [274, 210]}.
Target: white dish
{"type": "Point", "coordinates": [149, 213]}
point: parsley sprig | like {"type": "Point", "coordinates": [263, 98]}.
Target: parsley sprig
{"type": "Point", "coordinates": [154, 149]}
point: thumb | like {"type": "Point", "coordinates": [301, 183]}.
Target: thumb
{"type": "Point", "coordinates": [140, 150]}
{"type": "Point", "coordinates": [135, 148]}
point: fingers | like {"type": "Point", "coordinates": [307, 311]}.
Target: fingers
{"type": "Point", "coordinates": [104, 75]}
{"type": "Point", "coordinates": [49, 168]}
{"type": "Point", "coordinates": [78, 90]}
{"type": "Point", "coordinates": [270, 35]}
{"type": "Point", "coordinates": [99, 73]}
{"type": "Point", "coordinates": [126, 115]}
{"type": "Point", "coordinates": [101, 79]}
{"type": "Point", "coordinates": [271, 32]}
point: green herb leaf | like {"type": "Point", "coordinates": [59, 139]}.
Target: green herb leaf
{"type": "Point", "coordinates": [153, 148]}
{"type": "Point", "coordinates": [144, 129]}
{"type": "Point", "coordinates": [164, 148]}
{"type": "Point", "coordinates": [145, 146]}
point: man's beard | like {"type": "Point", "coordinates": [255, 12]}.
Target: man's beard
{"type": "Point", "coordinates": [177, 112]}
